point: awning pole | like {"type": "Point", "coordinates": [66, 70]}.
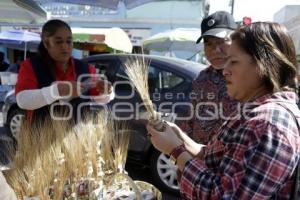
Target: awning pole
{"type": "Point", "coordinates": [25, 50]}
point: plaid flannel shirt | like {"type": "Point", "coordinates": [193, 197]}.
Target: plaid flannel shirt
{"type": "Point", "coordinates": [252, 157]}
{"type": "Point", "coordinates": [211, 103]}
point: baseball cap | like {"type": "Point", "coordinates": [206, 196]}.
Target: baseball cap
{"type": "Point", "coordinates": [219, 24]}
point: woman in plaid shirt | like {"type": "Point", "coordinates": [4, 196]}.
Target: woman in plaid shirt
{"type": "Point", "coordinates": [256, 151]}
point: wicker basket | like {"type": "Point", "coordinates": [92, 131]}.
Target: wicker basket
{"type": "Point", "coordinates": [140, 188]}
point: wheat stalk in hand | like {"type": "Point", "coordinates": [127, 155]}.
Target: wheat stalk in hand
{"type": "Point", "coordinates": [137, 71]}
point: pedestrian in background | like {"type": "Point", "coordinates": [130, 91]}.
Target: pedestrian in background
{"type": "Point", "coordinates": [210, 101]}
{"type": "Point", "coordinates": [15, 67]}
{"type": "Point", "coordinates": [255, 154]}
{"type": "Point", "coordinates": [53, 75]}
{"type": "Point", "coordinates": [3, 65]}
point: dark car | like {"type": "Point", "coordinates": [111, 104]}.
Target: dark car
{"type": "Point", "coordinates": [170, 82]}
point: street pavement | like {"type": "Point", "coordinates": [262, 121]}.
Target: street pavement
{"type": "Point", "coordinates": [135, 171]}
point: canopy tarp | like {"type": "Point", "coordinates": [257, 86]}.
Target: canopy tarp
{"type": "Point", "coordinates": [14, 12]}
{"type": "Point", "coordinates": [32, 7]}
{"type": "Point", "coordinates": [20, 39]}
{"type": "Point", "coordinates": [180, 39]}
{"type": "Point", "coordinates": [101, 40]}
{"type": "Point", "coordinates": [111, 4]}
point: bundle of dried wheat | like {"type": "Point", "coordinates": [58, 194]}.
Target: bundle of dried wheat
{"type": "Point", "coordinates": [31, 171]}
{"type": "Point", "coordinates": [50, 154]}
{"type": "Point", "coordinates": [55, 160]}
{"type": "Point", "coordinates": [120, 147]}
{"type": "Point", "coordinates": [114, 145]}
{"type": "Point", "coordinates": [137, 71]}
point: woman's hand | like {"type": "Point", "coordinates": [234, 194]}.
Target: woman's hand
{"type": "Point", "coordinates": [166, 140]}
{"type": "Point", "coordinates": [103, 86]}
{"type": "Point", "coordinates": [191, 146]}
{"type": "Point", "coordinates": [68, 89]}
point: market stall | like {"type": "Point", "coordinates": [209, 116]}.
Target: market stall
{"type": "Point", "coordinates": [180, 39]}
{"type": "Point", "coordinates": [101, 40]}
{"type": "Point", "coordinates": [20, 39]}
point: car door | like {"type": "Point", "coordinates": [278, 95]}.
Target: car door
{"type": "Point", "coordinates": [171, 94]}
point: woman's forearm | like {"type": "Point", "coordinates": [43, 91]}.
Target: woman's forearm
{"type": "Point", "coordinates": [182, 159]}
{"type": "Point", "coordinates": [37, 98]}
{"type": "Point", "coordinates": [193, 147]}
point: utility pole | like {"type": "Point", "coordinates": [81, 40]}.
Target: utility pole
{"type": "Point", "coordinates": [206, 6]}
{"type": "Point", "coordinates": [232, 6]}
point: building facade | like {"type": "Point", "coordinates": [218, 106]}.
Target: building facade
{"type": "Point", "coordinates": [290, 17]}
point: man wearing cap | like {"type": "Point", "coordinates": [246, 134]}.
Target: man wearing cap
{"type": "Point", "coordinates": [210, 101]}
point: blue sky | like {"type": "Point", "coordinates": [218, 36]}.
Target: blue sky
{"type": "Point", "coordinates": [258, 10]}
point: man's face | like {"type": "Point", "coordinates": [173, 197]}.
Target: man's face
{"type": "Point", "coordinates": [216, 50]}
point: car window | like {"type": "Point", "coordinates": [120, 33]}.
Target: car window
{"type": "Point", "coordinates": [169, 80]}
{"type": "Point", "coordinates": [122, 80]}
{"type": "Point", "coordinates": [101, 67]}
{"type": "Point", "coordinates": [158, 79]}
{"type": "Point", "coordinates": [106, 67]}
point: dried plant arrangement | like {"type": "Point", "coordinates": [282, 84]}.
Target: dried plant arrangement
{"type": "Point", "coordinates": [48, 156]}
{"type": "Point", "coordinates": [115, 143]}
{"type": "Point", "coordinates": [57, 161]}
{"type": "Point", "coordinates": [31, 170]}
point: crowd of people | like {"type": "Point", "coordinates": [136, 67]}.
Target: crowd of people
{"type": "Point", "coordinates": [250, 151]}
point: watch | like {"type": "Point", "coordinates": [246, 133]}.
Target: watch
{"type": "Point", "coordinates": [177, 151]}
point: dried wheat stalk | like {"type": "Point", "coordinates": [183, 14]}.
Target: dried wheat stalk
{"type": "Point", "coordinates": [107, 147]}
{"type": "Point", "coordinates": [137, 71]}
{"type": "Point", "coordinates": [120, 146]}
{"type": "Point", "coordinates": [32, 168]}
{"type": "Point", "coordinates": [52, 153]}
